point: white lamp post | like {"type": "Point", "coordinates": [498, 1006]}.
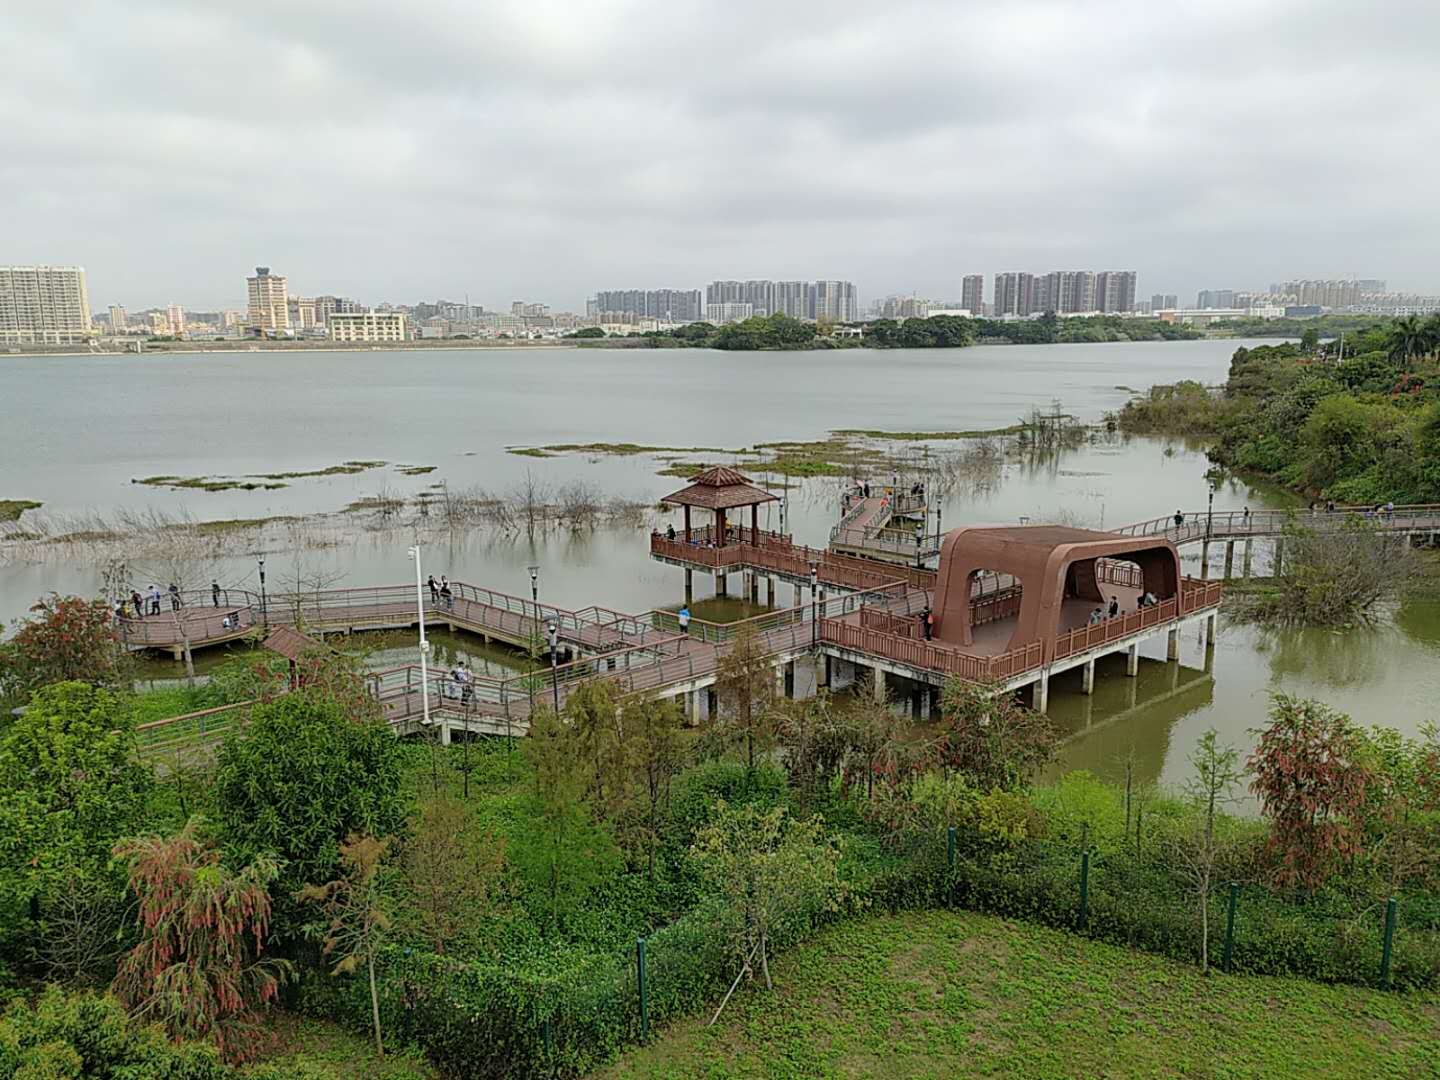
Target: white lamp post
{"type": "Point", "coordinates": [424, 644]}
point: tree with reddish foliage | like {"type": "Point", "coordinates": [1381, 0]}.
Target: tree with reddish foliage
{"type": "Point", "coordinates": [64, 639]}
{"type": "Point", "coordinates": [198, 969]}
{"type": "Point", "coordinates": [1310, 776]}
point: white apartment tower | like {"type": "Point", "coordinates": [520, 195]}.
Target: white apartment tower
{"type": "Point", "coordinates": [44, 305]}
{"type": "Point", "coordinates": [119, 320]}
{"type": "Point", "coordinates": [269, 307]}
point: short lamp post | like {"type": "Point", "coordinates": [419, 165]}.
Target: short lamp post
{"type": "Point", "coordinates": [264, 607]}
{"type": "Point", "coordinates": [535, 588]}
{"type": "Point", "coordinates": [919, 543]}
{"type": "Point", "coordinates": [1213, 477]}
{"type": "Point", "coordinates": [552, 630]}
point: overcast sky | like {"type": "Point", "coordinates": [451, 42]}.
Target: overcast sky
{"type": "Point", "coordinates": [540, 149]}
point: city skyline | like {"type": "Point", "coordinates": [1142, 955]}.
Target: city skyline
{"type": "Point", "coordinates": [610, 142]}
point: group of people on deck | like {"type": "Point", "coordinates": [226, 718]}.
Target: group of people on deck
{"type": "Point", "coordinates": [1112, 609]}
{"type": "Point", "coordinates": [441, 593]}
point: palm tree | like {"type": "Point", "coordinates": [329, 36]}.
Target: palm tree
{"type": "Point", "coordinates": [1408, 340]}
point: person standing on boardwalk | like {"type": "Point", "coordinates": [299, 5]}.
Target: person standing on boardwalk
{"type": "Point", "coordinates": [175, 602]}
{"type": "Point", "coordinates": [434, 590]}
{"type": "Point", "coordinates": [137, 604]}
{"type": "Point", "coordinates": [1179, 520]}
{"type": "Point", "coordinates": [215, 592]}
{"type": "Point", "coordinates": [1114, 607]}
{"type": "Point", "coordinates": [154, 599]}
{"type": "Point", "coordinates": [684, 619]}
{"type": "Point", "coordinates": [445, 596]}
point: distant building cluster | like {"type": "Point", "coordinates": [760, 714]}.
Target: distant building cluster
{"type": "Point", "coordinates": [726, 302]}
{"type": "Point", "coordinates": [50, 305]}
{"type": "Point", "coordinates": [1064, 292]}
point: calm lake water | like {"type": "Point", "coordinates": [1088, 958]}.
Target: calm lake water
{"type": "Point", "coordinates": [75, 431]}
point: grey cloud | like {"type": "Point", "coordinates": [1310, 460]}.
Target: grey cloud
{"type": "Point", "coordinates": [545, 149]}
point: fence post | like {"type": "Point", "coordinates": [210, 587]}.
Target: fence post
{"type": "Point", "coordinates": [1389, 945]}
{"type": "Point", "coordinates": [1084, 888]}
{"type": "Point", "coordinates": [640, 981]}
{"type": "Point", "coordinates": [1230, 928]}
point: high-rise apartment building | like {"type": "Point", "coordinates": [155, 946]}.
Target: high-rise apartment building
{"type": "Point", "coordinates": [837, 301]}
{"type": "Point", "coordinates": [1330, 293]}
{"type": "Point", "coordinates": [1114, 291]}
{"type": "Point", "coordinates": [972, 293]}
{"type": "Point", "coordinates": [269, 307]}
{"type": "Point", "coordinates": [666, 305]}
{"type": "Point", "coordinates": [175, 315]}
{"type": "Point", "coordinates": [1164, 302]}
{"type": "Point", "coordinates": [119, 320]}
{"type": "Point", "coordinates": [1014, 291]}
{"type": "Point", "coordinates": [325, 306]}
{"type": "Point", "coordinates": [303, 313]}
{"type": "Point", "coordinates": [790, 298]}
{"type": "Point", "coordinates": [44, 305]}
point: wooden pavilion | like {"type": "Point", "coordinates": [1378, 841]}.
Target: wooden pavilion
{"type": "Point", "coordinates": [718, 490]}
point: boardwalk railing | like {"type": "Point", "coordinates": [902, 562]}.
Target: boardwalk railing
{"type": "Point", "coordinates": [1239, 524]}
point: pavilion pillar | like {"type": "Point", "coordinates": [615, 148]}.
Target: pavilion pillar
{"type": "Point", "coordinates": [754, 587]}
{"type": "Point", "coordinates": [1229, 558]}
{"type": "Point", "coordinates": [687, 523]}
{"type": "Point", "coordinates": [755, 524]}
{"type": "Point", "coordinates": [719, 528]}
{"type": "Point", "coordinates": [769, 590]}
{"type": "Point", "coordinates": [1132, 661]}
{"type": "Point", "coordinates": [689, 587]}
{"type": "Point", "coordinates": [1087, 677]}
{"type": "Point", "coordinates": [1172, 644]}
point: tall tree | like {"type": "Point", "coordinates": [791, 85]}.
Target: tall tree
{"type": "Point", "coordinates": [1309, 773]}
{"type": "Point", "coordinates": [303, 775]}
{"type": "Point", "coordinates": [593, 714]}
{"type": "Point", "coordinates": [358, 911]}
{"type": "Point", "coordinates": [989, 738]}
{"type": "Point", "coordinates": [745, 686]}
{"type": "Point", "coordinates": [1215, 773]}
{"type": "Point", "coordinates": [72, 788]}
{"type": "Point", "coordinates": [767, 869]}
{"type": "Point", "coordinates": [197, 968]}
{"type": "Point", "coordinates": [451, 868]}
{"type": "Point", "coordinates": [561, 851]}
{"type": "Point", "coordinates": [652, 729]}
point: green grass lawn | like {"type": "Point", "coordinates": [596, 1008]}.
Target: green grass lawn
{"type": "Point", "coordinates": [952, 994]}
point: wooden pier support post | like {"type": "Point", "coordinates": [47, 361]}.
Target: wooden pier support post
{"type": "Point", "coordinates": [1204, 560]}
{"type": "Point", "coordinates": [789, 679]}
{"type": "Point", "coordinates": [1172, 644]}
{"type": "Point", "coordinates": [1229, 558]}
{"type": "Point", "coordinates": [1087, 677]}
{"type": "Point", "coordinates": [689, 587]}
{"type": "Point", "coordinates": [769, 590]}
{"type": "Point", "coordinates": [878, 684]}
{"type": "Point", "coordinates": [1132, 661]}
{"type": "Point", "coordinates": [1211, 626]}
{"type": "Point", "coordinates": [754, 587]}
{"type": "Point", "coordinates": [1245, 560]}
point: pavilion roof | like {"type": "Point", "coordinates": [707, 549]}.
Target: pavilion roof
{"type": "Point", "coordinates": [290, 643]}
{"type": "Point", "coordinates": [719, 489]}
